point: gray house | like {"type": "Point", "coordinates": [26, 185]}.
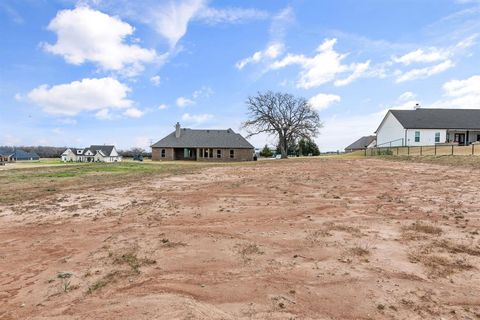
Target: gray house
{"type": "Point", "coordinates": [362, 144]}
{"type": "Point", "coordinates": [203, 145]}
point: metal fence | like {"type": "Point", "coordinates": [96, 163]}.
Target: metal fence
{"type": "Point", "coordinates": [437, 150]}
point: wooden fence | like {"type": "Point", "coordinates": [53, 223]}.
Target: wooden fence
{"type": "Point", "coordinates": [440, 150]}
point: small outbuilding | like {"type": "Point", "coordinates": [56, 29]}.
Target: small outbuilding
{"type": "Point", "coordinates": [203, 145]}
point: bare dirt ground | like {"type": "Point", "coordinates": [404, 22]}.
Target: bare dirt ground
{"type": "Point", "coordinates": [295, 239]}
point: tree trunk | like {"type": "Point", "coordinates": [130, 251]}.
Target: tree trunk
{"type": "Point", "coordinates": [283, 147]}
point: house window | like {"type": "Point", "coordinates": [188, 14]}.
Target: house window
{"type": "Point", "coordinates": [417, 136]}
{"type": "Point", "coordinates": [205, 153]}
{"type": "Point", "coordinates": [163, 153]}
{"type": "Point", "coordinates": [478, 137]}
{"type": "Point", "coordinates": [219, 153]}
{"type": "Point", "coordinates": [210, 153]}
{"type": "Point", "coordinates": [232, 153]}
{"type": "Point", "coordinates": [437, 137]}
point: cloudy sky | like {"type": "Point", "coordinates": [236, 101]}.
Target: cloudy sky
{"type": "Point", "coordinates": [75, 73]}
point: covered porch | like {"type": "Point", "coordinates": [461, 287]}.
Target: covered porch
{"type": "Point", "coordinates": [185, 154]}
{"type": "Point", "coordinates": [463, 137]}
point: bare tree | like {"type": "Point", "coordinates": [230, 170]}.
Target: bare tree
{"type": "Point", "coordinates": [281, 114]}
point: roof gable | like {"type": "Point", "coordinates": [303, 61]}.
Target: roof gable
{"type": "Point", "coordinates": [362, 143]}
{"type": "Point", "coordinates": [106, 149]}
{"type": "Point", "coordinates": [204, 138]}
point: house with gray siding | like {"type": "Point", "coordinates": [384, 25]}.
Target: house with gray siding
{"type": "Point", "coordinates": [203, 145]}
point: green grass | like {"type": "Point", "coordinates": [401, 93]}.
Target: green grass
{"type": "Point", "coordinates": [32, 182]}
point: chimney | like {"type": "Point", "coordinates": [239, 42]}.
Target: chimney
{"type": "Point", "coordinates": [177, 130]}
{"type": "Point", "coordinates": [417, 106]}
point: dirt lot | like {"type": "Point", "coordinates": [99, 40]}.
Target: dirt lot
{"type": "Point", "coordinates": [296, 239]}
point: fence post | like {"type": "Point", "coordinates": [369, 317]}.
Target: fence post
{"type": "Point", "coordinates": [397, 151]}
{"type": "Point", "coordinates": [435, 149]}
{"type": "Point", "coordinates": [452, 149]}
{"type": "Point", "coordinates": [420, 150]}
{"type": "Point", "coordinates": [408, 150]}
{"type": "Point", "coordinates": [473, 149]}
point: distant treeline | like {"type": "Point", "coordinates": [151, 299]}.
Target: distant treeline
{"type": "Point", "coordinates": [56, 152]}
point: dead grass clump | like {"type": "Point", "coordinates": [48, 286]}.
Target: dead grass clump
{"type": "Point", "coordinates": [418, 230]}
{"type": "Point", "coordinates": [440, 266]}
{"type": "Point", "coordinates": [246, 251]}
{"type": "Point", "coordinates": [456, 248]}
{"type": "Point", "coordinates": [343, 228]}
{"type": "Point", "coordinates": [172, 244]}
{"type": "Point", "coordinates": [359, 251]}
{"type": "Point", "coordinates": [314, 237]}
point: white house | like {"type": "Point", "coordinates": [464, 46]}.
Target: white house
{"type": "Point", "coordinates": [99, 153]}
{"type": "Point", "coordinates": [425, 127]}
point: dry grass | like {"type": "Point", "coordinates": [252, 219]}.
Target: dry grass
{"type": "Point", "coordinates": [419, 230]}
{"type": "Point", "coordinates": [440, 266]}
{"type": "Point", "coordinates": [456, 248]}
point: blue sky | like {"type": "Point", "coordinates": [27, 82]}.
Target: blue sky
{"type": "Point", "coordinates": [76, 73]}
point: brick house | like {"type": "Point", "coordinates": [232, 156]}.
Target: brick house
{"type": "Point", "coordinates": [203, 145]}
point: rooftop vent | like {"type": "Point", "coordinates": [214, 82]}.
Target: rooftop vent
{"type": "Point", "coordinates": [417, 106]}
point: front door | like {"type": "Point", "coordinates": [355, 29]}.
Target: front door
{"type": "Point", "coordinates": [460, 138]}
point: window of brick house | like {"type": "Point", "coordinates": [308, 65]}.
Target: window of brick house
{"type": "Point", "coordinates": [163, 153]}
{"type": "Point", "coordinates": [219, 153]}
{"type": "Point", "coordinates": [232, 153]}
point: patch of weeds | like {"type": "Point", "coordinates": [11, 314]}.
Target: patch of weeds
{"type": "Point", "coordinates": [359, 251]}
{"type": "Point", "coordinates": [246, 251]}
{"type": "Point", "coordinates": [172, 244]}
{"type": "Point", "coordinates": [131, 259]}
{"type": "Point", "coordinates": [104, 281]}
{"type": "Point", "coordinates": [340, 227]}
{"type": "Point", "coordinates": [422, 227]}
{"type": "Point", "coordinates": [452, 247]}
{"type": "Point", "coordinates": [440, 266]}
{"type": "Point", "coordinates": [315, 237]}
{"type": "Point", "coordinates": [418, 230]}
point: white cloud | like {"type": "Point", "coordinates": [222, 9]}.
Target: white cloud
{"type": "Point", "coordinates": [461, 94]}
{"type": "Point", "coordinates": [84, 35]}
{"type": "Point", "coordinates": [422, 56]}
{"type": "Point", "coordinates": [323, 67]}
{"type": "Point", "coordinates": [358, 70]}
{"type": "Point", "coordinates": [437, 60]}
{"type": "Point", "coordinates": [276, 46]}
{"type": "Point", "coordinates": [182, 102]}
{"type": "Point", "coordinates": [171, 19]}
{"type": "Point", "coordinates": [155, 80]}
{"type": "Point", "coordinates": [322, 101]}
{"type": "Point", "coordinates": [103, 114]}
{"type": "Point", "coordinates": [84, 95]}
{"type": "Point", "coordinates": [57, 131]}
{"type": "Point", "coordinates": [68, 121]}
{"type": "Point", "coordinates": [229, 15]}
{"type": "Point", "coordinates": [133, 113]}
{"type": "Point", "coordinates": [162, 106]}
{"type": "Point", "coordinates": [271, 52]}
{"type": "Point", "coordinates": [406, 96]}
{"type": "Point", "coordinates": [196, 119]}
{"type": "Point", "coordinates": [426, 72]}
{"type": "Point", "coordinates": [203, 92]}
